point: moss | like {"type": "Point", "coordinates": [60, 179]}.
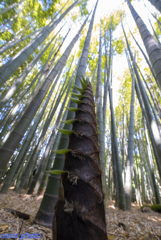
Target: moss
{"type": "Point", "coordinates": [145, 205]}
{"type": "Point", "coordinates": [154, 207]}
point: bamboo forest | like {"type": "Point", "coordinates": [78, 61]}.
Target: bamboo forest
{"type": "Point", "coordinates": [80, 119]}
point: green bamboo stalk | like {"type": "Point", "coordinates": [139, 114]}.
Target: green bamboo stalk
{"type": "Point", "coordinates": [129, 162]}
{"type": "Point", "coordinates": [146, 59]}
{"type": "Point", "coordinates": [16, 42]}
{"type": "Point", "coordinates": [11, 6]}
{"type": "Point", "coordinates": [99, 108]}
{"type": "Point", "coordinates": [50, 142]}
{"type": "Point", "coordinates": [156, 3]}
{"type": "Point", "coordinates": [26, 145]}
{"type": "Point", "coordinates": [115, 177]}
{"type": "Point", "coordinates": [22, 77]}
{"type": "Point", "coordinates": [13, 111]}
{"type": "Point", "coordinates": [121, 194]}
{"type": "Point", "coordinates": [147, 122]}
{"type": "Point", "coordinates": [151, 165]}
{"type": "Point", "coordinates": [159, 23]}
{"type": "Point", "coordinates": [23, 56]}
{"type": "Point", "coordinates": [34, 157]}
{"type": "Point", "coordinates": [45, 213]}
{"type": "Point", "coordinates": [153, 125]}
{"type": "Point", "coordinates": [10, 145]}
{"type": "Point", "coordinates": [152, 97]}
{"type": "Point", "coordinates": [26, 158]}
{"type": "Point", "coordinates": [155, 34]}
{"type": "Point", "coordinates": [108, 68]}
{"type": "Point", "coordinates": [51, 158]}
{"type": "Point", "coordinates": [44, 176]}
{"type": "Point", "coordinates": [151, 45]}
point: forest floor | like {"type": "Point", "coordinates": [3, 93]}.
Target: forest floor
{"type": "Point", "coordinates": [133, 224]}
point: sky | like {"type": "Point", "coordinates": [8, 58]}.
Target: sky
{"type": "Point", "coordinates": [106, 8]}
{"type": "Point", "coordinates": [120, 62]}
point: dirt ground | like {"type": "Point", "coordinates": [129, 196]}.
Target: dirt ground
{"type": "Point", "coordinates": [133, 224]}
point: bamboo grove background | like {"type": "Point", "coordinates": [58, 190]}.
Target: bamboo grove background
{"type": "Point", "coordinates": [41, 66]}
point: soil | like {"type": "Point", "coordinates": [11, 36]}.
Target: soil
{"type": "Point", "coordinates": [132, 225]}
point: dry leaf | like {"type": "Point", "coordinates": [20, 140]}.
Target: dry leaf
{"type": "Point", "coordinates": [3, 227]}
{"type": "Point", "coordinates": [111, 237]}
{"type": "Point", "coordinates": [140, 225]}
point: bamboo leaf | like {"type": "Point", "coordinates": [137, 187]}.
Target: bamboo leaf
{"type": "Point", "coordinates": [86, 81]}
{"type": "Point", "coordinates": [70, 121]}
{"type": "Point", "coordinates": [83, 79]}
{"type": "Point", "coordinates": [62, 151]}
{"type": "Point", "coordinates": [84, 85]}
{"type": "Point", "coordinates": [76, 100]}
{"type": "Point", "coordinates": [73, 109]}
{"type": "Point", "coordinates": [77, 95]}
{"type": "Point", "coordinates": [65, 131]}
{"type": "Point", "coordinates": [56, 171]}
{"type": "Point", "coordinates": [79, 89]}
